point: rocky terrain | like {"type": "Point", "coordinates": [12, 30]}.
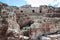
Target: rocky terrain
{"type": "Point", "coordinates": [29, 23]}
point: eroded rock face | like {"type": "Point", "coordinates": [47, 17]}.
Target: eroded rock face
{"type": "Point", "coordinates": [13, 30]}
{"type": "Point", "coordinates": [9, 29]}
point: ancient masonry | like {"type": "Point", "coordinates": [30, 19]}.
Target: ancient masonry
{"type": "Point", "coordinates": [29, 23]}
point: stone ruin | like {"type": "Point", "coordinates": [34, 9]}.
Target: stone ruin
{"type": "Point", "coordinates": [28, 23]}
